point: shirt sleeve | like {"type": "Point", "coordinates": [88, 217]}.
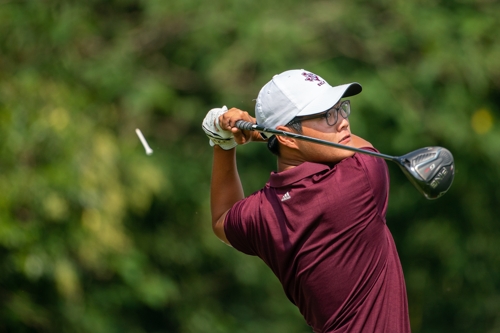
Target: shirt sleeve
{"type": "Point", "coordinates": [240, 225]}
{"type": "Point", "coordinates": [378, 177]}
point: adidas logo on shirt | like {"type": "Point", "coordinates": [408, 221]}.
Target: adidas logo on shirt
{"type": "Point", "coordinates": [285, 197]}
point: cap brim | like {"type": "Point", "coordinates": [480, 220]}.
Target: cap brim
{"type": "Point", "coordinates": [330, 97]}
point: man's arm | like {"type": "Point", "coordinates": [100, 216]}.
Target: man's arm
{"type": "Point", "coordinates": [360, 142]}
{"type": "Point", "coordinates": [225, 188]}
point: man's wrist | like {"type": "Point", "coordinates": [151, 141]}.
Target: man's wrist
{"type": "Point", "coordinates": [219, 148]}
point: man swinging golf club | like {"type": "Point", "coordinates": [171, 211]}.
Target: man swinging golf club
{"type": "Point", "coordinates": [319, 222]}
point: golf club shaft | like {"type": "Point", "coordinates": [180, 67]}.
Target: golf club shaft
{"type": "Point", "coordinates": [245, 125]}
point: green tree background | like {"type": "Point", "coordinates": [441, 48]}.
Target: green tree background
{"type": "Point", "coordinates": [95, 236]}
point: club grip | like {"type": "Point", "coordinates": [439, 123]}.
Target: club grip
{"type": "Point", "coordinates": [245, 125]}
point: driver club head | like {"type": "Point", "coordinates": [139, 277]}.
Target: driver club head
{"type": "Point", "coordinates": [430, 169]}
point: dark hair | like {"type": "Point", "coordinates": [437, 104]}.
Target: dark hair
{"type": "Point", "coordinates": [272, 143]}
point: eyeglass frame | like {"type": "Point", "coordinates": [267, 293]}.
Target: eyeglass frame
{"type": "Point", "coordinates": [345, 114]}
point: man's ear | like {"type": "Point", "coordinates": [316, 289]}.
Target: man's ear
{"type": "Point", "coordinates": [285, 140]}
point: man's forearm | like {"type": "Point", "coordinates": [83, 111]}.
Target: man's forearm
{"type": "Point", "coordinates": [360, 142]}
{"type": "Point", "coordinates": [226, 188]}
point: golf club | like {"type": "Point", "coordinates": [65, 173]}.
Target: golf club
{"type": "Point", "coordinates": [431, 169]}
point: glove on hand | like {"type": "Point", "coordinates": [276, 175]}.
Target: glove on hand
{"type": "Point", "coordinates": [217, 135]}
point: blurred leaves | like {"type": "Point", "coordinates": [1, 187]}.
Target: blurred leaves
{"type": "Point", "coordinates": [97, 237]}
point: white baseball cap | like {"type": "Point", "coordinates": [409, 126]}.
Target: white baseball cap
{"type": "Point", "coordinates": [295, 93]}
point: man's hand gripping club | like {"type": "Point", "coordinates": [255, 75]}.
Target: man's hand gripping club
{"type": "Point", "coordinates": [219, 126]}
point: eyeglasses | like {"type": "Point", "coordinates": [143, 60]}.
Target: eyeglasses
{"type": "Point", "coordinates": [331, 114]}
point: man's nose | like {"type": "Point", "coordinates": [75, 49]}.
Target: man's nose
{"type": "Point", "coordinates": [342, 123]}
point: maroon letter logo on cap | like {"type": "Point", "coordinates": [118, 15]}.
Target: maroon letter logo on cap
{"type": "Point", "coordinates": [313, 77]}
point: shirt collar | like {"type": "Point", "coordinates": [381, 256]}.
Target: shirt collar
{"type": "Point", "coordinates": [287, 177]}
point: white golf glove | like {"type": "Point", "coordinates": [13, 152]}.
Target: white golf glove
{"type": "Point", "coordinates": [217, 135]}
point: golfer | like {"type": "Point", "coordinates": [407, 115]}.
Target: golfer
{"type": "Point", "coordinates": [319, 222]}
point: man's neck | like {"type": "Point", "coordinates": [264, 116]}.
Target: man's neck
{"type": "Point", "coordinates": [286, 164]}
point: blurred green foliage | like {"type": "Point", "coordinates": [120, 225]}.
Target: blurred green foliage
{"type": "Point", "coordinates": [97, 237]}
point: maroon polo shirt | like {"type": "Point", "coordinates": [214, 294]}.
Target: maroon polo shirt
{"type": "Point", "coordinates": [322, 231]}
